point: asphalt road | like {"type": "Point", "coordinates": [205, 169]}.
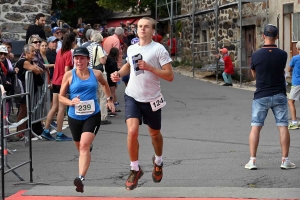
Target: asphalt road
{"type": "Point", "coordinates": [205, 130]}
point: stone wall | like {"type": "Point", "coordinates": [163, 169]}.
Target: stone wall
{"type": "Point", "coordinates": [17, 15]}
{"type": "Point", "coordinates": [228, 29]}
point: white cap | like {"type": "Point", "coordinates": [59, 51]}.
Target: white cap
{"type": "Point", "coordinates": [298, 45]}
{"type": "Point", "coordinates": [3, 49]}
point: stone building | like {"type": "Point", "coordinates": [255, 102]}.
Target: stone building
{"type": "Point", "coordinates": [254, 18]}
{"type": "Point", "coordinates": [17, 15]}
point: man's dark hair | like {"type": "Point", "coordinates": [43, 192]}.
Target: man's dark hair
{"type": "Point", "coordinates": [38, 16]}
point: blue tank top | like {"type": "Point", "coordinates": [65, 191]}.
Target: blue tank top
{"type": "Point", "coordinates": [86, 90]}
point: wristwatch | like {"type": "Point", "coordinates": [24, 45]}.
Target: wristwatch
{"type": "Point", "coordinates": [109, 98]}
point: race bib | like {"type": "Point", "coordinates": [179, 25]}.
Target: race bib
{"type": "Point", "coordinates": [85, 107]}
{"type": "Point", "coordinates": [158, 103]}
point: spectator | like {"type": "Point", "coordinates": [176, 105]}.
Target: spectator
{"type": "Point", "coordinates": [36, 41]}
{"type": "Point", "coordinates": [56, 31]}
{"type": "Point", "coordinates": [63, 63]}
{"type": "Point", "coordinates": [228, 66]}
{"type": "Point", "coordinates": [26, 64]}
{"type": "Point", "coordinates": [37, 27]}
{"type": "Point", "coordinates": [295, 89]}
{"type": "Point", "coordinates": [173, 48]}
{"type": "Point", "coordinates": [157, 37]}
{"type": "Point", "coordinates": [267, 67]}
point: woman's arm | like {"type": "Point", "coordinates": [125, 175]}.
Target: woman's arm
{"type": "Point", "coordinates": [63, 90]}
{"type": "Point", "coordinates": [105, 88]}
{"type": "Point", "coordinates": [34, 68]}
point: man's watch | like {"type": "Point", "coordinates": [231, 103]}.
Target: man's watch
{"type": "Point", "coordinates": [109, 98]}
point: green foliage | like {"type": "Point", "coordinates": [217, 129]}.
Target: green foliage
{"type": "Point", "coordinates": [89, 10]}
{"type": "Point", "coordinates": [125, 5]}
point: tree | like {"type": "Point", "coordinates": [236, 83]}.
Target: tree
{"type": "Point", "coordinates": [89, 10]}
{"type": "Point", "coordinates": [125, 5]}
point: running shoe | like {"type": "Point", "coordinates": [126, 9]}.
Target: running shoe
{"type": "Point", "coordinates": [116, 103]}
{"type": "Point", "coordinates": [91, 147]}
{"type": "Point", "coordinates": [293, 126]}
{"type": "Point", "coordinates": [79, 183]}
{"type": "Point", "coordinates": [287, 164]}
{"type": "Point", "coordinates": [251, 165]}
{"type": "Point", "coordinates": [62, 137]}
{"type": "Point", "coordinates": [53, 124]}
{"type": "Point", "coordinates": [46, 135]}
{"type": "Point", "coordinates": [157, 172]}
{"type": "Point", "coordinates": [132, 180]}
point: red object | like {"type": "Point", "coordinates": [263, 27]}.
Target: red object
{"type": "Point", "coordinates": [60, 64]}
{"type": "Point", "coordinates": [228, 66]}
{"type": "Point", "coordinates": [3, 68]}
{"type": "Point", "coordinates": [174, 46]}
{"type": "Point", "coordinates": [157, 38]}
{"type": "Point", "coordinates": [116, 22]}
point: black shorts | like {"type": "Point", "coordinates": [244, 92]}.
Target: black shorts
{"type": "Point", "coordinates": [91, 124]}
{"type": "Point", "coordinates": [142, 111]}
{"type": "Point", "coordinates": [56, 89]}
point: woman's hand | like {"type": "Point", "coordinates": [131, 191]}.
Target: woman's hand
{"type": "Point", "coordinates": [75, 101]}
{"type": "Point", "coordinates": [110, 104]}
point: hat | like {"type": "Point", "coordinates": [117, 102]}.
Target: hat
{"type": "Point", "coordinates": [55, 29]}
{"type": "Point", "coordinates": [66, 26]}
{"type": "Point", "coordinates": [3, 49]}
{"type": "Point", "coordinates": [81, 51]}
{"type": "Point", "coordinates": [224, 50]}
{"type": "Point", "coordinates": [52, 39]}
{"type": "Point", "coordinates": [298, 45]}
{"type": "Point", "coordinates": [271, 30]}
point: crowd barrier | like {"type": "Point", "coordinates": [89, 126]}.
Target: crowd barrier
{"type": "Point", "coordinates": [36, 105]}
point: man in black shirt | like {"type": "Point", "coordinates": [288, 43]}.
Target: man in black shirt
{"type": "Point", "coordinates": [37, 27]}
{"type": "Point", "coordinates": [267, 66]}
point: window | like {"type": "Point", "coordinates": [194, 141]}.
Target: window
{"type": "Point", "coordinates": [296, 27]}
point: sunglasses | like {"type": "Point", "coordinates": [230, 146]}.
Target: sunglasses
{"type": "Point", "coordinates": [58, 32]}
{"type": "Point", "coordinates": [35, 42]}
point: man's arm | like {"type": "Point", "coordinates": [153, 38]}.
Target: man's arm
{"type": "Point", "coordinates": [253, 72]}
{"type": "Point", "coordinates": [166, 71]}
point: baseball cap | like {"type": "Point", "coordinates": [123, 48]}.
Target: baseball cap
{"type": "Point", "coordinates": [81, 51]}
{"type": "Point", "coordinates": [66, 26]}
{"type": "Point", "coordinates": [55, 29]}
{"type": "Point", "coordinates": [271, 30]}
{"type": "Point", "coordinates": [52, 39]}
{"type": "Point", "coordinates": [224, 50]}
{"type": "Point", "coordinates": [3, 49]}
{"type": "Point", "coordinates": [298, 45]}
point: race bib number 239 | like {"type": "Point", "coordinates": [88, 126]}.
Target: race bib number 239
{"type": "Point", "coordinates": [158, 103]}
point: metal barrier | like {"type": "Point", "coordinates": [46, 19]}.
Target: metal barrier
{"type": "Point", "coordinates": [35, 114]}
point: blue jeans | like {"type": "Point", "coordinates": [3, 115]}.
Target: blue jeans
{"type": "Point", "coordinates": [227, 78]}
{"type": "Point", "coordinates": [278, 104]}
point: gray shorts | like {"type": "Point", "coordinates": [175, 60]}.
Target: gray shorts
{"type": "Point", "coordinates": [295, 93]}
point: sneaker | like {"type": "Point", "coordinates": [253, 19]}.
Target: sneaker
{"type": "Point", "coordinates": [112, 114]}
{"type": "Point", "coordinates": [287, 164]}
{"type": "Point", "coordinates": [79, 183]}
{"type": "Point", "coordinates": [104, 122]}
{"type": "Point", "coordinates": [157, 172]}
{"type": "Point", "coordinates": [227, 84]}
{"type": "Point", "coordinates": [293, 126]}
{"type": "Point", "coordinates": [53, 124]}
{"type": "Point", "coordinates": [132, 180]}
{"type": "Point", "coordinates": [91, 147]}
{"type": "Point", "coordinates": [251, 165]}
{"type": "Point", "coordinates": [46, 135]}
{"type": "Point", "coordinates": [62, 137]}
{"type": "Point", "coordinates": [116, 103]}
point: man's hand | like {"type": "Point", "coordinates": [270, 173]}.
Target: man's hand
{"type": "Point", "coordinates": [144, 66]}
{"type": "Point", "coordinates": [115, 77]}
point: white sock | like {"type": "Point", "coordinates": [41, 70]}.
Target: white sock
{"type": "Point", "coordinates": [253, 159]}
{"type": "Point", "coordinates": [285, 159]}
{"type": "Point", "coordinates": [134, 165]}
{"type": "Point", "coordinates": [158, 160]}
{"type": "Point", "coordinates": [294, 122]}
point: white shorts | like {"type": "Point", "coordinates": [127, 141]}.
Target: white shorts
{"type": "Point", "coordinates": [295, 93]}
